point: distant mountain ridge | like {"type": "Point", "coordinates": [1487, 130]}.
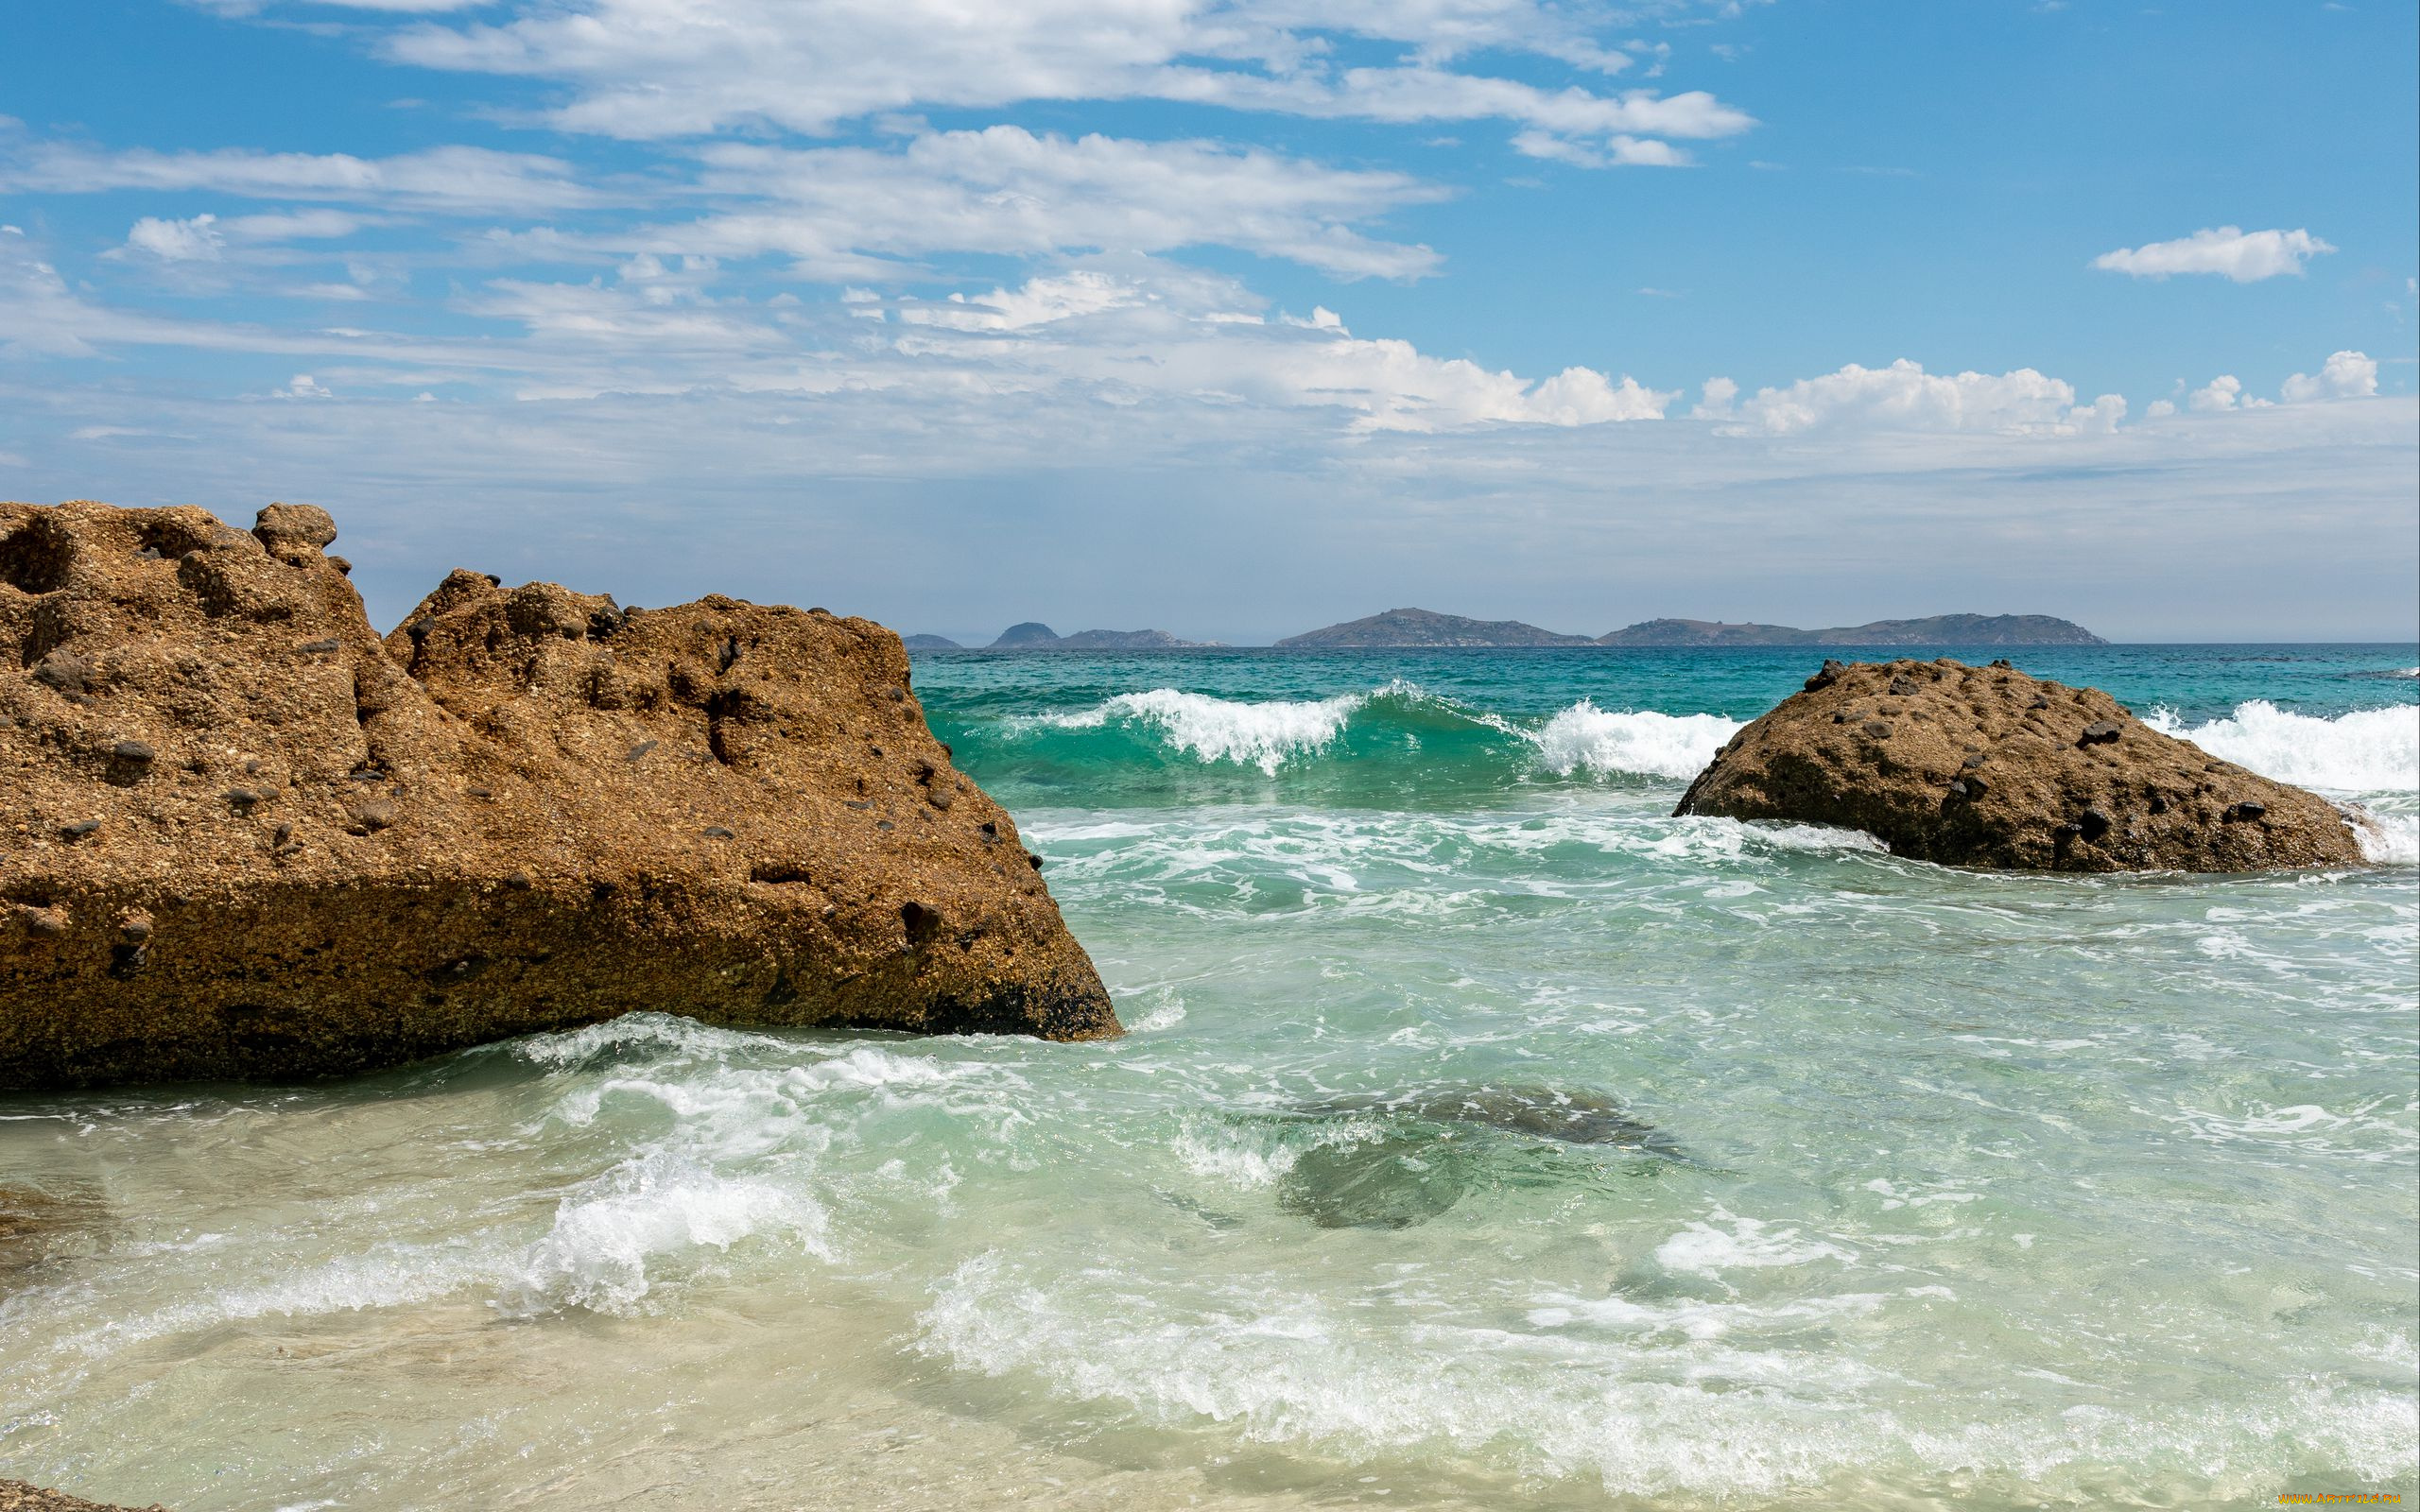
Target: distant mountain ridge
{"type": "Point", "coordinates": [1421, 629]}
{"type": "Point", "coordinates": [1425, 628]}
{"type": "Point", "coordinates": [1034, 635]}
{"type": "Point", "coordinates": [1937, 630]}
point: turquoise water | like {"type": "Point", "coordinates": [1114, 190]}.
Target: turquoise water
{"type": "Point", "coordinates": [1486, 1137]}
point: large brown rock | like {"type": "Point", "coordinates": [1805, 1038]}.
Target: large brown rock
{"type": "Point", "coordinates": [243, 837]}
{"type": "Point", "coordinates": [1985, 766]}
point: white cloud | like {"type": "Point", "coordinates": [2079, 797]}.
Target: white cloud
{"type": "Point", "coordinates": [206, 237]}
{"type": "Point", "coordinates": [2229, 251]}
{"type": "Point", "coordinates": [661, 68]}
{"type": "Point", "coordinates": [451, 180]}
{"type": "Point", "coordinates": [2226, 391]}
{"type": "Point", "coordinates": [2344, 375]}
{"type": "Point", "coordinates": [1904, 397]}
{"type": "Point", "coordinates": [1718, 397]}
{"type": "Point", "coordinates": [1622, 151]}
{"type": "Point", "coordinates": [839, 212]}
{"type": "Point", "coordinates": [177, 241]}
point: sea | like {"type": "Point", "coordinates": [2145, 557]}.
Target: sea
{"type": "Point", "coordinates": [1485, 1137]}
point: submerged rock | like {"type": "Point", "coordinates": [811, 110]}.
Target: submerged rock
{"type": "Point", "coordinates": [1425, 1160]}
{"type": "Point", "coordinates": [1539, 1112]}
{"type": "Point", "coordinates": [1390, 1183]}
{"type": "Point", "coordinates": [246, 838]}
{"type": "Point", "coordinates": [1986, 766]}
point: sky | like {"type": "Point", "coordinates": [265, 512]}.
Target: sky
{"type": "Point", "coordinates": [1236, 318]}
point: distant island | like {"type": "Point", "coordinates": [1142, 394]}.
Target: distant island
{"type": "Point", "coordinates": [1424, 627]}
{"type": "Point", "coordinates": [1035, 636]}
{"type": "Point", "coordinates": [1427, 629]}
{"type": "Point", "coordinates": [1937, 630]}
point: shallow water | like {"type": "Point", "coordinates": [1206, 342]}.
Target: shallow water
{"type": "Point", "coordinates": [1888, 1185]}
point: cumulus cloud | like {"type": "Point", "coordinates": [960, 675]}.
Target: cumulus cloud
{"type": "Point", "coordinates": [2224, 392]}
{"type": "Point", "coordinates": [1904, 397]}
{"type": "Point", "coordinates": [2344, 375]}
{"type": "Point", "coordinates": [2230, 251]}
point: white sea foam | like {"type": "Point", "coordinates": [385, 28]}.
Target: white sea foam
{"type": "Point", "coordinates": [2389, 839]}
{"type": "Point", "coordinates": [2370, 751]}
{"type": "Point", "coordinates": [1706, 1249]}
{"type": "Point", "coordinates": [1642, 742]}
{"type": "Point", "coordinates": [596, 1255]}
{"type": "Point", "coordinates": [1704, 1398]}
{"type": "Point", "coordinates": [1263, 734]}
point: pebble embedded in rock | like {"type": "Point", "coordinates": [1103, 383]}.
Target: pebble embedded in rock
{"type": "Point", "coordinates": [1877, 728]}
{"type": "Point", "coordinates": [133, 751]}
{"type": "Point", "coordinates": [2039, 702]}
{"type": "Point", "coordinates": [1903, 688]}
{"type": "Point", "coordinates": [79, 829]}
{"type": "Point", "coordinates": [1973, 762]}
{"type": "Point", "coordinates": [64, 671]}
{"type": "Point", "coordinates": [2246, 809]}
{"type": "Point", "coordinates": [49, 921]}
{"type": "Point", "coordinates": [373, 814]}
{"type": "Point", "coordinates": [316, 647]}
{"type": "Point", "coordinates": [640, 750]}
{"type": "Point", "coordinates": [716, 832]}
{"type": "Point", "coordinates": [2069, 830]}
{"type": "Point", "coordinates": [2101, 732]}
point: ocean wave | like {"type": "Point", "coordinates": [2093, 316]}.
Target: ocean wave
{"type": "Point", "coordinates": [1252, 733]}
{"type": "Point", "coordinates": [660, 1204]}
{"type": "Point", "coordinates": [2369, 750]}
{"type": "Point", "coordinates": [1641, 742]}
{"type": "Point", "coordinates": [1399, 721]}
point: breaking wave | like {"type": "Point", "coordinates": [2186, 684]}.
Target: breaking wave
{"type": "Point", "coordinates": [1647, 743]}
{"type": "Point", "coordinates": [1399, 723]}
{"type": "Point", "coordinates": [2369, 750]}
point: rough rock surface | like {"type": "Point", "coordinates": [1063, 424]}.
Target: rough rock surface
{"type": "Point", "coordinates": [244, 836]}
{"type": "Point", "coordinates": [16, 1496]}
{"type": "Point", "coordinates": [1985, 766]}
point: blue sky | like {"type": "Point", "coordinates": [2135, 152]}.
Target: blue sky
{"type": "Point", "coordinates": [1235, 317]}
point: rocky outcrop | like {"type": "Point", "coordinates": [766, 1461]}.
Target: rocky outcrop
{"type": "Point", "coordinates": [246, 838]}
{"type": "Point", "coordinates": [1985, 766]}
